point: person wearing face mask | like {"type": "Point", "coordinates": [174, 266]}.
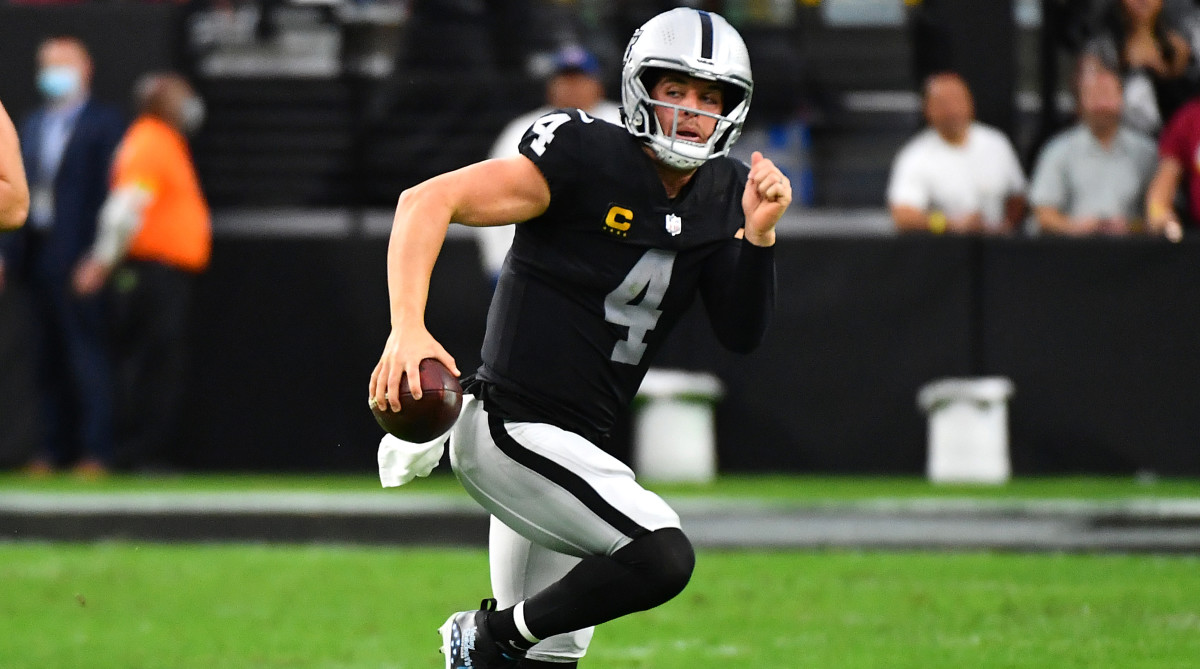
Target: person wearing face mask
{"type": "Point", "coordinates": [155, 235]}
{"type": "Point", "coordinates": [67, 147]}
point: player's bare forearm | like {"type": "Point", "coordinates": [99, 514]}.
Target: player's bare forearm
{"type": "Point", "coordinates": [14, 190]}
{"type": "Point", "coordinates": [492, 192]}
{"type": "Point", "coordinates": [418, 232]}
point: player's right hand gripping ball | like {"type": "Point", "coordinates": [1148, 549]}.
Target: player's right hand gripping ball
{"type": "Point", "coordinates": [431, 416]}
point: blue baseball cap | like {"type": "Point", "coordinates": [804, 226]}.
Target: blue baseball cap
{"type": "Point", "coordinates": [575, 59]}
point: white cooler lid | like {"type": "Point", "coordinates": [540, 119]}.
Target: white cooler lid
{"type": "Point", "coordinates": [977, 389]}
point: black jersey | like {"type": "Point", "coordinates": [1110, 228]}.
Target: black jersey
{"type": "Point", "coordinates": [591, 288]}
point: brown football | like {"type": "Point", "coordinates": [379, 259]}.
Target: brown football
{"type": "Point", "coordinates": [431, 416]}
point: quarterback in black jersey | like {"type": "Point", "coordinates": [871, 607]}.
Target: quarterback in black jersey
{"type": "Point", "coordinates": [619, 230]}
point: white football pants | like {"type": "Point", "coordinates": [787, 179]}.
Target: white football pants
{"type": "Point", "coordinates": [555, 497]}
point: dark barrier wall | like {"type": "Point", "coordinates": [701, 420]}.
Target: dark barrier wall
{"type": "Point", "coordinates": [288, 332]}
{"type": "Point", "coordinates": [1100, 338]}
{"type": "Point", "coordinates": [860, 326]}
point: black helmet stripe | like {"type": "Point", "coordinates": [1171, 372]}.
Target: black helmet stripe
{"type": "Point", "coordinates": [706, 36]}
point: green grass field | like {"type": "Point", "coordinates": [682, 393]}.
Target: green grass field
{"type": "Point", "coordinates": [142, 606]}
{"type": "Point", "coordinates": [800, 489]}
{"type": "Point", "coordinates": [130, 606]}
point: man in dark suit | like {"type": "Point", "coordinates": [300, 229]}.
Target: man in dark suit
{"type": "Point", "coordinates": [67, 146]}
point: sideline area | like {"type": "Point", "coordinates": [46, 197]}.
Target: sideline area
{"type": "Point", "coordinates": [1050, 514]}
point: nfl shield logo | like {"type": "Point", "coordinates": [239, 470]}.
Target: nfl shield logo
{"type": "Point", "coordinates": [674, 224]}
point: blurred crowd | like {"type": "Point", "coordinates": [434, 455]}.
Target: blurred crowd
{"type": "Point", "coordinates": [1117, 171]}
{"type": "Point", "coordinates": [1122, 168]}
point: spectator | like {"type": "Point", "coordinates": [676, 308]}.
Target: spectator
{"type": "Point", "coordinates": [14, 190]}
{"type": "Point", "coordinates": [1151, 57]}
{"type": "Point", "coordinates": [155, 234]}
{"type": "Point", "coordinates": [1177, 150]}
{"type": "Point", "coordinates": [574, 83]}
{"type": "Point", "coordinates": [957, 175]}
{"type": "Point", "coordinates": [67, 148]}
{"type": "Point", "coordinates": [1092, 178]}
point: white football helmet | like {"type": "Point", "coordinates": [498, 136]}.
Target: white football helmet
{"type": "Point", "coordinates": [699, 44]}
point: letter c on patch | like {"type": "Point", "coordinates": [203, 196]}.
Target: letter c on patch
{"type": "Point", "coordinates": [619, 218]}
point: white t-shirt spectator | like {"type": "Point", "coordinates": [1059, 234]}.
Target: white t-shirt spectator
{"type": "Point", "coordinates": [931, 174]}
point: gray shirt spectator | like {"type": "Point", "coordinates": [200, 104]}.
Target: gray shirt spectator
{"type": "Point", "coordinates": [1093, 177]}
{"type": "Point", "coordinates": [1083, 179]}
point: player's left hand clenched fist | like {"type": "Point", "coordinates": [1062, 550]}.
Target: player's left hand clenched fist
{"type": "Point", "coordinates": [768, 194]}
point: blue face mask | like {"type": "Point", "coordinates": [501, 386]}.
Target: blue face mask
{"type": "Point", "coordinates": [59, 82]}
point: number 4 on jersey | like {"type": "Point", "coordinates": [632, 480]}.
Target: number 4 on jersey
{"type": "Point", "coordinates": [651, 274]}
{"type": "Point", "coordinates": [544, 128]}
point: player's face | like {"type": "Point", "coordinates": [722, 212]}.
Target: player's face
{"type": "Point", "coordinates": [690, 93]}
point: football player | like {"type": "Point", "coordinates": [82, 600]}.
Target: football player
{"type": "Point", "coordinates": [620, 229]}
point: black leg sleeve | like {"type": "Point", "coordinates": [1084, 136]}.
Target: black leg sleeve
{"type": "Point", "coordinates": [651, 570]}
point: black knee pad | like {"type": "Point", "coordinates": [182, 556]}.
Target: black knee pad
{"type": "Point", "coordinates": [666, 559]}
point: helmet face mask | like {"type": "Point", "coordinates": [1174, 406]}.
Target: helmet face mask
{"type": "Point", "coordinates": [697, 44]}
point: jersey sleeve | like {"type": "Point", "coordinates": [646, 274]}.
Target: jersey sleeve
{"type": "Point", "coordinates": [738, 290]}
{"type": "Point", "coordinates": [555, 143]}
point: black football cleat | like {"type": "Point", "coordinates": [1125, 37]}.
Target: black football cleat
{"type": "Point", "coordinates": [467, 643]}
